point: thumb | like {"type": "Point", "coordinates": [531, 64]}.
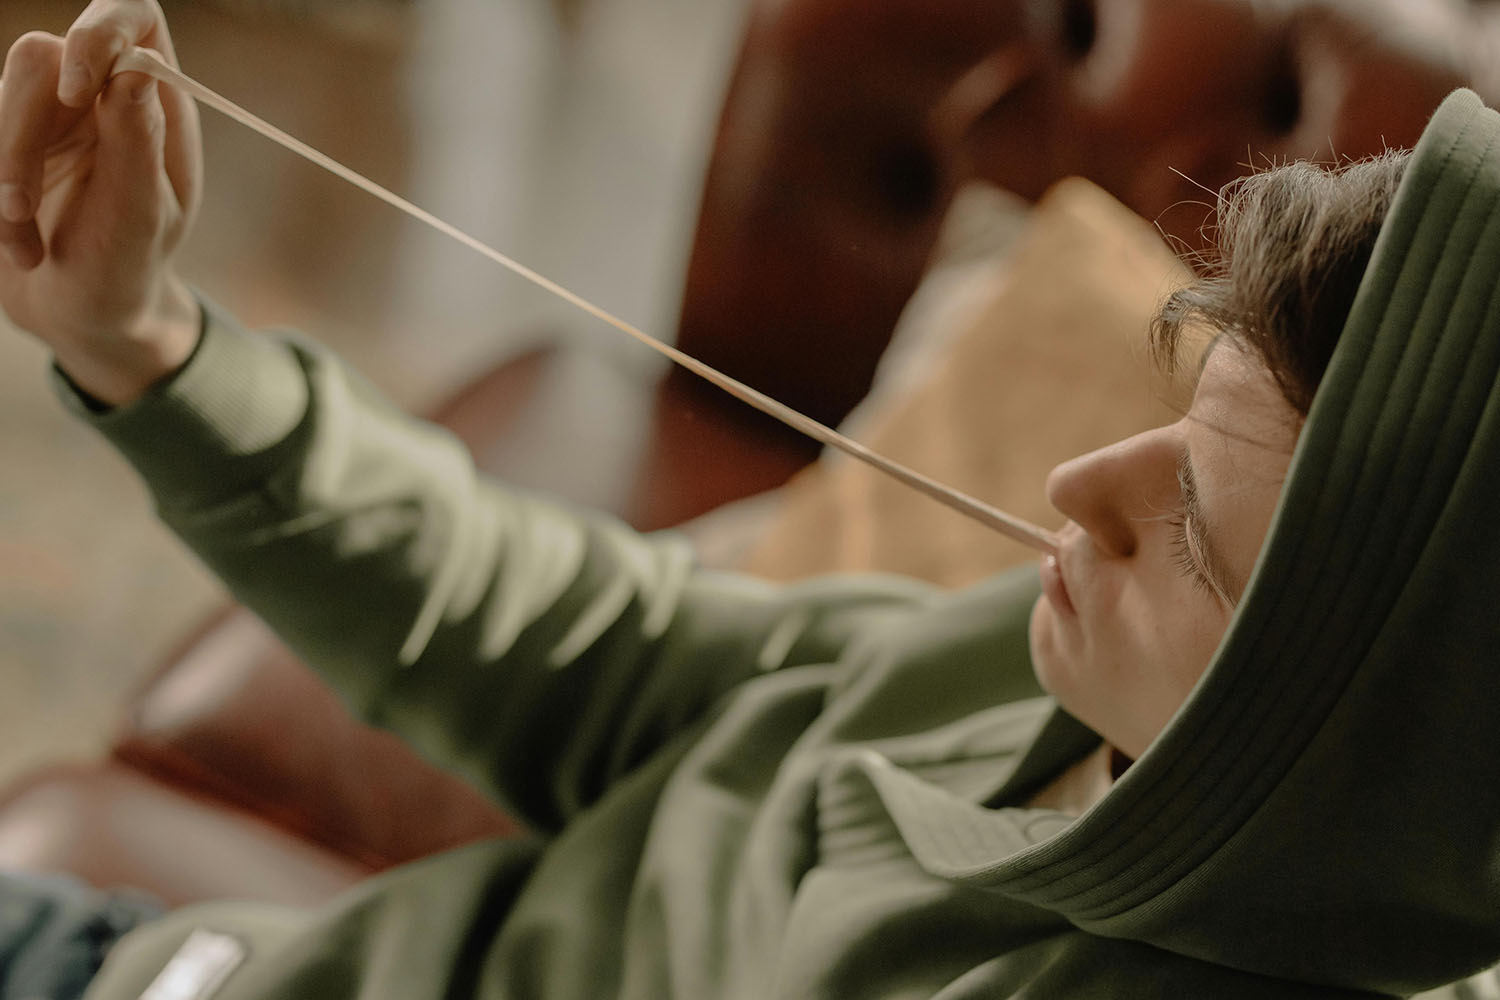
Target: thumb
{"type": "Point", "coordinates": [129, 158]}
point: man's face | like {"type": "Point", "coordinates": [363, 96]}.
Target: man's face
{"type": "Point", "coordinates": [1163, 101]}
{"type": "Point", "coordinates": [1164, 529]}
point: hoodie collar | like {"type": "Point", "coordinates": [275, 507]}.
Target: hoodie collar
{"type": "Point", "coordinates": [1325, 807]}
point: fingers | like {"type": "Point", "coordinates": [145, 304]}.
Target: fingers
{"type": "Point", "coordinates": [102, 32]}
{"type": "Point", "coordinates": [20, 244]}
{"type": "Point", "coordinates": [128, 180]}
{"type": "Point", "coordinates": [28, 116]}
{"type": "Point", "coordinates": [49, 84]}
{"type": "Point", "coordinates": [105, 30]}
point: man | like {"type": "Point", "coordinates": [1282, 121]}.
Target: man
{"type": "Point", "coordinates": [1270, 775]}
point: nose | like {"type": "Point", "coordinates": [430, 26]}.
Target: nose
{"type": "Point", "coordinates": [1115, 494]}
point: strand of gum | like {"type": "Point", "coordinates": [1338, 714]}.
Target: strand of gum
{"type": "Point", "coordinates": [142, 60]}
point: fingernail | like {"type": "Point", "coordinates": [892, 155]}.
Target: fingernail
{"type": "Point", "coordinates": [75, 81]}
{"type": "Point", "coordinates": [14, 205]}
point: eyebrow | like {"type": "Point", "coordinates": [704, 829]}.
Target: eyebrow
{"type": "Point", "coordinates": [1218, 338]}
{"type": "Point", "coordinates": [1203, 539]}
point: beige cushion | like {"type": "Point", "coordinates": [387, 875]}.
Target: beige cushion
{"type": "Point", "coordinates": [1051, 363]}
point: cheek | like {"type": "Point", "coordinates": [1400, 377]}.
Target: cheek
{"type": "Point", "coordinates": [1173, 658]}
{"type": "Point", "coordinates": [1126, 669]}
{"type": "Point", "coordinates": [1182, 642]}
{"type": "Point", "coordinates": [1085, 663]}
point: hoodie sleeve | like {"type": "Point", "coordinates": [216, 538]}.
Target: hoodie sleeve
{"type": "Point", "coordinates": [1484, 986]}
{"type": "Point", "coordinates": [542, 653]}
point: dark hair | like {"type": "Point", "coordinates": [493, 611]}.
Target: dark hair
{"type": "Point", "coordinates": [1291, 244]}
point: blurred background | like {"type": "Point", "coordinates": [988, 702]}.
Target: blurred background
{"type": "Point", "coordinates": [491, 114]}
{"type": "Point", "coordinates": [769, 181]}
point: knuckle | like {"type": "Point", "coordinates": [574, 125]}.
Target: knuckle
{"type": "Point", "coordinates": [33, 52]}
{"type": "Point", "coordinates": [97, 41]}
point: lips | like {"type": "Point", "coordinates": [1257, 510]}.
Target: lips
{"type": "Point", "coordinates": [1054, 586]}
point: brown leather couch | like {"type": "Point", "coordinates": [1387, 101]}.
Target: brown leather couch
{"type": "Point", "coordinates": [237, 773]}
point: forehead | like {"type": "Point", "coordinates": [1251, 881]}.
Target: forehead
{"type": "Point", "coordinates": [1236, 396]}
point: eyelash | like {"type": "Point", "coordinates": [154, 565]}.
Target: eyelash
{"type": "Point", "coordinates": [1182, 554]}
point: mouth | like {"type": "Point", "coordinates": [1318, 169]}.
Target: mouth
{"type": "Point", "coordinates": [1054, 586]}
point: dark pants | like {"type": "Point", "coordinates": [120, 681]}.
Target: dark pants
{"type": "Point", "coordinates": [55, 932]}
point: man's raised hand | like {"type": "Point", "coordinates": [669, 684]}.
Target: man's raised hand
{"type": "Point", "coordinates": [99, 180]}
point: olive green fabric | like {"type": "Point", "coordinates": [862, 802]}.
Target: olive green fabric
{"type": "Point", "coordinates": [1325, 807]}
{"type": "Point", "coordinates": [747, 791]}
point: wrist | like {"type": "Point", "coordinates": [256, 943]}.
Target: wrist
{"type": "Point", "coordinates": [119, 367]}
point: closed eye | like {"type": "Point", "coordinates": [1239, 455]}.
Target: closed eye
{"type": "Point", "coordinates": [1184, 558]}
{"type": "Point", "coordinates": [1191, 549]}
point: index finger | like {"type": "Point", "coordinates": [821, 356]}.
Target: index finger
{"type": "Point", "coordinates": [104, 30]}
{"type": "Point", "coordinates": [28, 119]}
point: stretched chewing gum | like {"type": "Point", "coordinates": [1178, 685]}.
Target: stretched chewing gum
{"type": "Point", "coordinates": [141, 60]}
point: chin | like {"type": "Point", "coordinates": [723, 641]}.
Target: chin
{"type": "Point", "coordinates": [1063, 672]}
{"type": "Point", "coordinates": [1047, 658]}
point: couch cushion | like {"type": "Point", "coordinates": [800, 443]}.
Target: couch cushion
{"type": "Point", "coordinates": [237, 718]}
{"type": "Point", "coordinates": [1041, 356]}
{"type": "Point", "coordinates": [115, 828]}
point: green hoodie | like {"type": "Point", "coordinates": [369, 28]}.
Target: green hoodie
{"type": "Point", "coordinates": [813, 791]}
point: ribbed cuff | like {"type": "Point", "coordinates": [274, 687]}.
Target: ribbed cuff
{"type": "Point", "coordinates": [212, 427]}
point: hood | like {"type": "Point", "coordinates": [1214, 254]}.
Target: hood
{"type": "Point", "coordinates": [1326, 805]}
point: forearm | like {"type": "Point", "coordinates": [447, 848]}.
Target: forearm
{"type": "Point", "coordinates": [544, 654]}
